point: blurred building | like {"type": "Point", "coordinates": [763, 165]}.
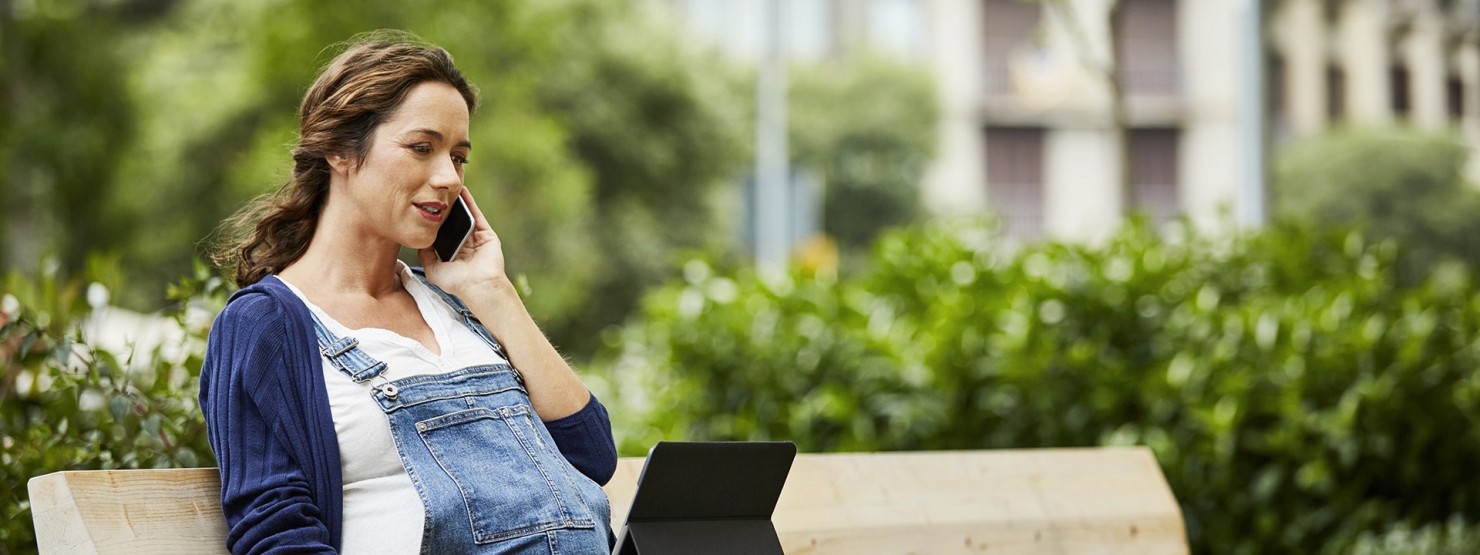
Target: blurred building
{"type": "Point", "coordinates": [1377, 63]}
{"type": "Point", "coordinates": [1028, 130]}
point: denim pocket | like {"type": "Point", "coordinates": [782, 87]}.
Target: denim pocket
{"type": "Point", "coordinates": [512, 481]}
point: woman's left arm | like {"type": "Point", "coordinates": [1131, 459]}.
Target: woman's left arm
{"type": "Point", "coordinates": [585, 440]}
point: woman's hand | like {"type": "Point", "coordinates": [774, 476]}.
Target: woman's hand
{"type": "Point", "coordinates": [476, 275]}
{"type": "Point", "coordinates": [478, 269]}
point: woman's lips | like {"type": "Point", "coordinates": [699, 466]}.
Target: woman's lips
{"type": "Point", "coordinates": [432, 211]}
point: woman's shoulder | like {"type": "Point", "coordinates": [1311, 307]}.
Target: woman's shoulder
{"type": "Point", "coordinates": [262, 323]}
{"type": "Point", "coordinates": [268, 299]}
{"type": "Point", "coordinates": [267, 307]}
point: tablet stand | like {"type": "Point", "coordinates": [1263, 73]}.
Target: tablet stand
{"type": "Point", "coordinates": [714, 498]}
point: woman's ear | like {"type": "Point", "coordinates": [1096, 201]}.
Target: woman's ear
{"type": "Point", "coordinates": [339, 163]}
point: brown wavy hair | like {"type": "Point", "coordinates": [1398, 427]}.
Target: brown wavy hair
{"type": "Point", "coordinates": [355, 92]}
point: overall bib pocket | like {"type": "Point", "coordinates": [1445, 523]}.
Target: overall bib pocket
{"type": "Point", "coordinates": [481, 450]}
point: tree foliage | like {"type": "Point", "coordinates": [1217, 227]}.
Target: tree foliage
{"type": "Point", "coordinates": [869, 128]}
{"type": "Point", "coordinates": [1397, 183]}
{"type": "Point", "coordinates": [661, 128]}
{"type": "Point", "coordinates": [605, 144]}
{"type": "Point", "coordinates": [600, 141]}
{"type": "Point", "coordinates": [65, 121]}
{"type": "Point", "coordinates": [543, 163]}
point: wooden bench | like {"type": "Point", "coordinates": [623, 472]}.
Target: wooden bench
{"type": "Point", "coordinates": [1106, 500]}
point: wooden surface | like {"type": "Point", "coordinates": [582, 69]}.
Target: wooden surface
{"type": "Point", "coordinates": [1030, 501]}
{"type": "Point", "coordinates": [1108, 500]}
{"type": "Point", "coordinates": [153, 512]}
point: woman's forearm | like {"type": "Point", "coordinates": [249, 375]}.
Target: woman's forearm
{"type": "Point", "coordinates": [554, 389]}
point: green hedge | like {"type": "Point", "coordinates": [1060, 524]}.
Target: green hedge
{"type": "Point", "coordinates": [1294, 392]}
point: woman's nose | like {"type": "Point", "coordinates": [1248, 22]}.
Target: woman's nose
{"type": "Point", "coordinates": [445, 175]}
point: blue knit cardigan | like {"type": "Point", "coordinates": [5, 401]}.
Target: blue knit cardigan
{"type": "Point", "coordinates": [267, 412]}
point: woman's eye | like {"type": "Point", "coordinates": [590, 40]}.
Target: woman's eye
{"type": "Point", "coordinates": [422, 149]}
{"type": "Point", "coordinates": [459, 160]}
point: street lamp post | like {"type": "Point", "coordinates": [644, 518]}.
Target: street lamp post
{"type": "Point", "coordinates": [1252, 203]}
{"type": "Point", "coordinates": [771, 160]}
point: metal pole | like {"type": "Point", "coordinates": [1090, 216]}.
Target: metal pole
{"type": "Point", "coordinates": [771, 159]}
{"type": "Point", "coordinates": [1252, 202]}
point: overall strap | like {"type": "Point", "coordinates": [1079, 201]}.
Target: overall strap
{"type": "Point", "coordinates": [468, 319]}
{"type": "Point", "coordinates": [346, 354]}
{"type": "Point", "coordinates": [464, 313]}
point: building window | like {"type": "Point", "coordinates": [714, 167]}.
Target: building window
{"type": "Point", "coordinates": [1006, 26]}
{"type": "Point", "coordinates": [1146, 48]}
{"type": "Point", "coordinates": [1398, 80]}
{"type": "Point", "coordinates": [1335, 93]}
{"type": "Point", "coordinates": [1015, 179]}
{"type": "Point", "coordinates": [1153, 160]}
{"type": "Point", "coordinates": [1454, 97]}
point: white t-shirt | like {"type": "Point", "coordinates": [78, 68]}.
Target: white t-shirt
{"type": "Point", "coordinates": [382, 512]}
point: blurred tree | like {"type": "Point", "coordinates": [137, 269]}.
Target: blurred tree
{"type": "Point", "coordinates": [869, 127]}
{"type": "Point", "coordinates": [660, 127]}
{"type": "Point", "coordinates": [65, 122]}
{"type": "Point", "coordinates": [604, 144]}
{"type": "Point", "coordinates": [224, 80]}
{"type": "Point", "coordinates": [600, 143]}
{"type": "Point", "coordinates": [1398, 183]}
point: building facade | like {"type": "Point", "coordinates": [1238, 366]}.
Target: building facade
{"type": "Point", "coordinates": [1029, 130]}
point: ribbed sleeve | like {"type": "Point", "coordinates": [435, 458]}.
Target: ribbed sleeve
{"type": "Point", "coordinates": [279, 473]}
{"type": "Point", "coordinates": [585, 439]}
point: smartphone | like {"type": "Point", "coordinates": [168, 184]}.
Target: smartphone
{"type": "Point", "coordinates": [454, 231]}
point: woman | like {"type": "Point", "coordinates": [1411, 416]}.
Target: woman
{"type": "Point", "coordinates": [358, 405]}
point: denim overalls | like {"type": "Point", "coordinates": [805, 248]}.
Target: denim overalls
{"type": "Point", "coordinates": [491, 478]}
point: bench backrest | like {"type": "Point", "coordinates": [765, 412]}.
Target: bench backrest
{"type": "Point", "coordinates": [1106, 500]}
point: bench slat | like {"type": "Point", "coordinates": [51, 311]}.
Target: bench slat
{"type": "Point", "coordinates": [127, 512]}
{"type": "Point", "coordinates": [1103, 500]}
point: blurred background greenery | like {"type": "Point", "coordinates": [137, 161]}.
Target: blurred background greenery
{"type": "Point", "coordinates": [133, 128]}
{"type": "Point", "coordinates": [1308, 386]}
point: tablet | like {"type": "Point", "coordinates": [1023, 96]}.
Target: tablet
{"type": "Point", "coordinates": [707, 497]}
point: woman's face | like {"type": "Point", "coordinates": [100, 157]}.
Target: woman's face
{"type": "Point", "coordinates": [413, 170]}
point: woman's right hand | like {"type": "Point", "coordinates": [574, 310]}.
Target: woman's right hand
{"type": "Point", "coordinates": [478, 269]}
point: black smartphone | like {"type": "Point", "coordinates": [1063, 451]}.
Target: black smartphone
{"type": "Point", "coordinates": [454, 231]}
